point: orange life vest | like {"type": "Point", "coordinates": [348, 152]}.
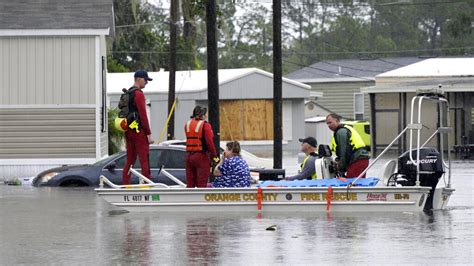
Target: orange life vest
{"type": "Point", "coordinates": [194, 134]}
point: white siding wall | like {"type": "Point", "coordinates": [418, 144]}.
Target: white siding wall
{"type": "Point", "coordinates": [103, 148]}
{"type": "Point", "coordinates": [287, 120]}
{"type": "Point", "coordinates": [257, 86]}
{"type": "Point", "coordinates": [47, 70]}
{"type": "Point", "coordinates": [387, 122]}
{"type": "Point", "coordinates": [35, 133]}
{"type": "Point", "coordinates": [339, 97]}
{"type": "Point", "coordinates": [104, 145]}
{"type": "Point", "coordinates": [48, 96]}
{"type": "Point", "coordinates": [320, 131]}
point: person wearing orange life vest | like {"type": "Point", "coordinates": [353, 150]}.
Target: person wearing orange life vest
{"type": "Point", "coordinates": [199, 148]}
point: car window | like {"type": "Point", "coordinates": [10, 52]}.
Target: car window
{"type": "Point", "coordinates": [106, 159]}
{"type": "Point", "coordinates": [155, 158]}
{"type": "Point", "coordinates": [120, 162]}
{"type": "Point", "coordinates": [367, 129]}
{"type": "Point", "coordinates": [173, 159]}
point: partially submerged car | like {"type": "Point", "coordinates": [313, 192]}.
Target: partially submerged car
{"type": "Point", "coordinates": [170, 155]}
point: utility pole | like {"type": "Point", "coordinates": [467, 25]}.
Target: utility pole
{"type": "Point", "coordinates": [172, 67]}
{"type": "Point", "coordinates": [212, 71]}
{"type": "Point", "coordinates": [277, 86]}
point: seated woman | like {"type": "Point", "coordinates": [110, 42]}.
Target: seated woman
{"type": "Point", "coordinates": [232, 171]}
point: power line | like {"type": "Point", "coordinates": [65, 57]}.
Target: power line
{"type": "Point", "coordinates": [134, 25]}
{"type": "Point", "coordinates": [359, 4]}
{"type": "Point", "coordinates": [383, 52]}
{"type": "Point", "coordinates": [327, 71]}
{"type": "Point", "coordinates": [252, 11]}
{"type": "Point", "coordinates": [393, 63]}
{"type": "Point", "coordinates": [348, 67]}
{"type": "Point", "coordinates": [312, 53]}
{"type": "Point", "coordinates": [402, 3]}
{"type": "Point", "coordinates": [323, 70]}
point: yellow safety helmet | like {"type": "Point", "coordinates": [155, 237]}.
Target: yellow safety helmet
{"type": "Point", "coordinates": [121, 124]}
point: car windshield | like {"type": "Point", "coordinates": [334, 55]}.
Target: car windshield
{"type": "Point", "coordinates": [106, 159]}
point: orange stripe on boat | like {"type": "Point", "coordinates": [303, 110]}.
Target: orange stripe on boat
{"type": "Point", "coordinates": [259, 198]}
{"type": "Point", "coordinates": [328, 198]}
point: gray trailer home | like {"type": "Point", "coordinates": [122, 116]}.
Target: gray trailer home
{"type": "Point", "coordinates": [52, 94]}
{"type": "Point", "coordinates": [246, 104]}
{"type": "Point", "coordinates": [390, 100]}
{"type": "Point", "coordinates": [340, 82]}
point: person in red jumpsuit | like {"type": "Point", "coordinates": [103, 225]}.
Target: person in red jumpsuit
{"type": "Point", "coordinates": [200, 148]}
{"type": "Point", "coordinates": [138, 140]}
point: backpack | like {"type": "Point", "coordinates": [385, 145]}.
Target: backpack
{"type": "Point", "coordinates": [125, 105]}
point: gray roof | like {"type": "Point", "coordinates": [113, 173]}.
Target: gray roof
{"type": "Point", "coordinates": [56, 14]}
{"type": "Point", "coordinates": [455, 84]}
{"type": "Point", "coordinates": [349, 70]}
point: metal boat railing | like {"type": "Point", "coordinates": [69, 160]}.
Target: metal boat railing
{"type": "Point", "coordinates": [143, 181]}
{"type": "Point", "coordinates": [441, 130]}
{"type": "Point", "coordinates": [104, 180]}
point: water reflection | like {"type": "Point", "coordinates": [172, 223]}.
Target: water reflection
{"type": "Point", "coordinates": [201, 241]}
{"type": "Point", "coordinates": [136, 244]}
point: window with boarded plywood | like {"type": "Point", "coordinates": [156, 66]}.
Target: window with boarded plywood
{"type": "Point", "coordinates": [246, 119]}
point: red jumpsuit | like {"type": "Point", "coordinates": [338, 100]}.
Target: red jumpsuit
{"type": "Point", "coordinates": [137, 143]}
{"type": "Point", "coordinates": [198, 162]}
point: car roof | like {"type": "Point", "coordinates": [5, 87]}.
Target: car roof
{"type": "Point", "coordinates": [174, 142]}
{"type": "Point", "coordinates": [359, 122]}
{"type": "Point", "coordinates": [156, 147]}
{"type": "Point", "coordinates": [168, 147]}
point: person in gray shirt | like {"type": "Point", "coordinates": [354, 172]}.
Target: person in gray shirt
{"type": "Point", "coordinates": [308, 169]}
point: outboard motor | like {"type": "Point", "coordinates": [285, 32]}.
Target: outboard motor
{"type": "Point", "coordinates": [431, 169]}
{"type": "Point", "coordinates": [324, 165]}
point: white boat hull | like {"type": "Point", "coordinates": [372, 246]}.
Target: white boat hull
{"type": "Point", "coordinates": [359, 199]}
{"type": "Point", "coordinates": [441, 197]}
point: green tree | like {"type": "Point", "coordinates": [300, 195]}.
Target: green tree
{"type": "Point", "coordinates": [312, 31]}
{"type": "Point", "coordinates": [115, 137]}
{"type": "Point", "coordinates": [459, 31]}
{"type": "Point", "coordinates": [347, 29]}
{"type": "Point", "coordinates": [138, 41]}
{"type": "Point", "coordinates": [398, 24]}
{"type": "Point", "coordinates": [193, 34]}
{"type": "Point", "coordinates": [245, 41]}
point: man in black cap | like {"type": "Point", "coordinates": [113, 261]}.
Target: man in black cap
{"type": "Point", "coordinates": [308, 168]}
{"type": "Point", "coordinates": [138, 139]}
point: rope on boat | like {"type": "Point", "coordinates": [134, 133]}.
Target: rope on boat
{"type": "Point", "coordinates": [165, 126]}
{"type": "Point", "coordinates": [167, 121]}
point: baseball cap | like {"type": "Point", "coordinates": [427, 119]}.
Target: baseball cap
{"type": "Point", "coordinates": [142, 74]}
{"type": "Point", "coordinates": [310, 140]}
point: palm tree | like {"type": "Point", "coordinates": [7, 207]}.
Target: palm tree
{"type": "Point", "coordinates": [115, 136]}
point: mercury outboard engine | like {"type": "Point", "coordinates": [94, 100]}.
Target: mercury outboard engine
{"type": "Point", "coordinates": [431, 169]}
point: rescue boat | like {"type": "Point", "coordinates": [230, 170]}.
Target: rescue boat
{"type": "Point", "coordinates": [409, 184]}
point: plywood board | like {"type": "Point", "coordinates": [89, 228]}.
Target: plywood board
{"type": "Point", "coordinates": [246, 119]}
{"type": "Point", "coordinates": [231, 119]}
{"type": "Point", "coordinates": [269, 119]}
{"type": "Point", "coordinates": [258, 120]}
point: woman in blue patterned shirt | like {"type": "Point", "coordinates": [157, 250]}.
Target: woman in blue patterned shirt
{"type": "Point", "coordinates": [233, 170]}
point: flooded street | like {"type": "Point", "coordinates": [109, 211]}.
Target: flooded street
{"type": "Point", "coordinates": [66, 225]}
